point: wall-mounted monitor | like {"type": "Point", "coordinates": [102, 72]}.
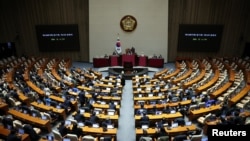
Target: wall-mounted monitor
{"type": "Point", "coordinates": [199, 37]}
{"type": "Point", "coordinates": [58, 37]}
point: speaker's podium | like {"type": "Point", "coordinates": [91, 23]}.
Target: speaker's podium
{"type": "Point", "coordinates": [128, 58]}
{"type": "Point", "coordinates": [127, 67]}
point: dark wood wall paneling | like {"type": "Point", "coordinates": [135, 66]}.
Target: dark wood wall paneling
{"type": "Point", "coordinates": [28, 13]}
{"type": "Point", "coordinates": [18, 20]}
{"type": "Point", "coordinates": [233, 14]}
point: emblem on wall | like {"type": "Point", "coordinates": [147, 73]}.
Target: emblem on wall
{"type": "Point", "coordinates": [128, 23]}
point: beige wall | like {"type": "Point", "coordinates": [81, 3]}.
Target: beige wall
{"type": "Point", "coordinates": [150, 36]}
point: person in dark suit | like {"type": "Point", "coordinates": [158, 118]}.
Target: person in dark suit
{"type": "Point", "coordinates": [112, 105]}
{"type": "Point", "coordinates": [28, 129]}
{"type": "Point", "coordinates": [63, 130]}
{"type": "Point", "coordinates": [79, 117]}
{"type": "Point", "coordinates": [76, 130]}
{"type": "Point", "coordinates": [160, 132]}
{"type": "Point", "coordinates": [106, 122]}
{"type": "Point", "coordinates": [26, 108]}
{"type": "Point", "coordinates": [7, 121]}
{"type": "Point", "coordinates": [82, 98]}
{"type": "Point", "coordinates": [141, 110]}
{"type": "Point", "coordinates": [153, 110]}
{"type": "Point", "coordinates": [180, 121]}
{"type": "Point", "coordinates": [92, 120]}
{"type": "Point", "coordinates": [13, 136]}
{"type": "Point", "coordinates": [123, 81]}
{"type": "Point", "coordinates": [144, 119]}
{"type": "Point", "coordinates": [166, 109]}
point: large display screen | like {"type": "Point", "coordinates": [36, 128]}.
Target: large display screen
{"type": "Point", "coordinates": [199, 37]}
{"type": "Point", "coordinates": [58, 37]}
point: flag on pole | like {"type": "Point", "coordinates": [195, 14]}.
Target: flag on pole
{"type": "Point", "coordinates": [118, 47]}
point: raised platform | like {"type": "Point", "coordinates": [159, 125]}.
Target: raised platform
{"type": "Point", "coordinates": [128, 75]}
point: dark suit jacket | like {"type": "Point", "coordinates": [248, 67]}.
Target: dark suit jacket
{"type": "Point", "coordinates": [13, 137]}
{"type": "Point", "coordinates": [28, 129]}
{"type": "Point", "coordinates": [79, 118]}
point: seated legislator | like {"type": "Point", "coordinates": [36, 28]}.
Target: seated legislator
{"type": "Point", "coordinates": [106, 122]}
{"type": "Point", "coordinates": [161, 133]}
{"type": "Point", "coordinates": [145, 136]}
{"type": "Point", "coordinates": [92, 120]}
{"type": "Point", "coordinates": [144, 119]}
{"type": "Point", "coordinates": [141, 110]}
{"type": "Point", "coordinates": [63, 130]}
{"type": "Point", "coordinates": [76, 130]}
{"type": "Point", "coordinates": [112, 105]}
{"type": "Point", "coordinates": [28, 129]}
{"type": "Point", "coordinates": [79, 117]}
{"type": "Point", "coordinates": [7, 121]}
{"type": "Point", "coordinates": [82, 98]}
{"type": "Point", "coordinates": [13, 136]}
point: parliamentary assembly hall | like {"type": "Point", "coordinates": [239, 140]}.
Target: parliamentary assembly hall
{"type": "Point", "coordinates": [124, 70]}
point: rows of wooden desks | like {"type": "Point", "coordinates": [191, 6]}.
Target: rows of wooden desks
{"type": "Point", "coordinates": [155, 118]}
{"type": "Point", "coordinates": [161, 106]}
{"type": "Point", "coordinates": [5, 132]}
{"type": "Point", "coordinates": [222, 89]}
{"type": "Point", "coordinates": [169, 131]}
{"type": "Point", "coordinates": [210, 83]}
{"type": "Point", "coordinates": [61, 100]}
{"type": "Point", "coordinates": [46, 108]}
{"type": "Point", "coordinates": [203, 111]}
{"type": "Point", "coordinates": [158, 74]}
{"type": "Point", "coordinates": [197, 79]}
{"type": "Point", "coordinates": [3, 107]}
{"type": "Point", "coordinates": [239, 95]}
{"type": "Point", "coordinates": [35, 121]}
{"type": "Point", "coordinates": [183, 77]}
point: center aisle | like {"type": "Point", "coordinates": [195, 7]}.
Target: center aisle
{"type": "Point", "coordinates": [126, 123]}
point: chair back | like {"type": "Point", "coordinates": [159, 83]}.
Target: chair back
{"type": "Point", "coordinates": [88, 138]}
{"type": "Point", "coordinates": [57, 135]}
{"type": "Point", "coordinates": [163, 138]}
{"type": "Point", "coordinates": [72, 137]}
{"type": "Point", "coordinates": [196, 137]}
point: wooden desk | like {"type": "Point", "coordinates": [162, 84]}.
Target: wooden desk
{"type": "Point", "coordinates": [5, 132]}
{"type": "Point", "coordinates": [38, 122]}
{"type": "Point", "coordinates": [195, 80]}
{"type": "Point", "coordinates": [104, 106]}
{"type": "Point", "coordinates": [99, 131]}
{"type": "Point", "coordinates": [183, 77]}
{"type": "Point", "coordinates": [156, 118]}
{"type": "Point", "coordinates": [158, 74]}
{"type": "Point", "coordinates": [41, 106]}
{"type": "Point", "coordinates": [177, 70]}
{"type": "Point", "coordinates": [3, 107]}
{"type": "Point", "coordinates": [35, 88]}
{"type": "Point", "coordinates": [222, 89]}
{"type": "Point", "coordinates": [150, 131]}
{"type": "Point", "coordinates": [203, 111]}
{"type": "Point", "coordinates": [210, 83]}
{"type": "Point", "coordinates": [148, 98]}
{"type": "Point", "coordinates": [161, 106]}
{"type": "Point", "coordinates": [159, 117]}
{"type": "Point", "coordinates": [180, 129]}
{"type": "Point", "coordinates": [239, 95]}
{"type": "Point", "coordinates": [61, 100]}
{"type": "Point", "coordinates": [84, 88]}
{"type": "Point", "coordinates": [108, 98]}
